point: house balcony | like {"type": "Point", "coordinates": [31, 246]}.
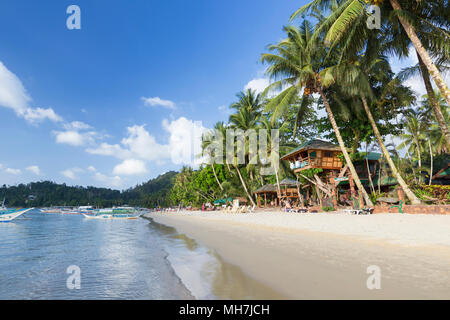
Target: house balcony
{"type": "Point", "coordinates": [333, 163]}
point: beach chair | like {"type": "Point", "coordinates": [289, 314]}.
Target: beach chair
{"type": "Point", "coordinates": [358, 210]}
{"type": "Point", "coordinates": [241, 209]}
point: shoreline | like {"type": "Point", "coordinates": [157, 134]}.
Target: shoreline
{"type": "Point", "coordinates": [204, 274]}
{"type": "Point", "coordinates": [325, 256]}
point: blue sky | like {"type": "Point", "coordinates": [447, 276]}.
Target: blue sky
{"type": "Point", "coordinates": [82, 107]}
{"type": "Point", "coordinates": [112, 104]}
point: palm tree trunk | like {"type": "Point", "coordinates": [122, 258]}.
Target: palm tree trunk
{"type": "Point", "coordinates": [344, 150]}
{"type": "Point", "coordinates": [431, 155]}
{"type": "Point", "coordinates": [412, 165]}
{"type": "Point", "coordinates": [243, 184]}
{"type": "Point", "coordinates": [215, 176]}
{"type": "Point", "coordinates": [368, 173]}
{"type": "Point", "coordinates": [278, 184]}
{"type": "Point", "coordinates": [432, 69]}
{"type": "Point", "coordinates": [411, 196]}
{"type": "Point", "coordinates": [432, 98]}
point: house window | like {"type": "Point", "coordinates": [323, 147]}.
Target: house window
{"type": "Point", "coordinates": [328, 154]}
{"type": "Point", "coordinates": [313, 154]}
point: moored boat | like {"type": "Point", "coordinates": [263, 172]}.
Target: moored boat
{"type": "Point", "coordinates": [128, 213]}
{"type": "Point", "coordinates": [7, 215]}
{"type": "Point", "coordinates": [50, 210]}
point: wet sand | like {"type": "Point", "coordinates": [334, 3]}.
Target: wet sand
{"type": "Point", "coordinates": [287, 257]}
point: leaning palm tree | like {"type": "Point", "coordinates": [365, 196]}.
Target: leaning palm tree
{"type": "Point", "coordinates": [301, 62]}
{"type": "Point", "coordinates": [424, 22]}
{"type": "Point", "coordinates": [357, 75]}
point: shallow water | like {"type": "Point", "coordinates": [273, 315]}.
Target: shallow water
{"type": "Point", "coordinates": [120, 259]}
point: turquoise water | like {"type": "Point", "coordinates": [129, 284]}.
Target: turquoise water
{"type": "Point", "coordinates": [118, 259]}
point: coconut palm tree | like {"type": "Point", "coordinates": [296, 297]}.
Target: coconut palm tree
{"type": "Point", "coordinates": [358, 75]}
{"type": "Point", "coordinates": [247, 117]}
{"type": "Point", "coordinates": [424, 23]}
{"type": "Point", "coordinates": [303, 64]}
{"type": "Point", "coordinates": [414, 138]}
{"type": "Point", "coordinates": [437, 138]}
{"type": "Point", "coordinates": [211, 143]}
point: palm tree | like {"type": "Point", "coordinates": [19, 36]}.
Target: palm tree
{"type": "Point", "coordinates": [435, 135]}
{"type": "Point", "coordinates": [247, 117]}
{"type": "Point", "coordinates": [294, 54]}
{"type": "Point", "coordinates": [209, 142]}
{"type": "Point", "coordinates": [358, 75]}
{"type": "Point", "coordinates": [424, 22]}
{"type": "Point", "coordinates": [414, 138]}
{"type": "Point", "coordinates": [301, 62]}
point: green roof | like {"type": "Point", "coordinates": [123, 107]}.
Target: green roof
{"type": "Point", "coordinates": [385, 181]}
{"type": "Point", "coordinates": [372, 156]}
{"type": "Point", "coordinates": [313, 144]}
{"type": "Point", "coordinates": [445, 172]}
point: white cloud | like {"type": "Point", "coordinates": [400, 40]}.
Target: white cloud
{"type": "Point", "coordinates": [140, 147]}
{"type": "Point", "coordinates": [415, 82]}
{"type": "Point", "coordinates": [156, 101]}
{"type": "Point", "coordinates": [76, 125]}
{"type": "Point", "coordinates": [72, 173]}
{"type": "Point", "coordinates": [13, 171]}
{"type": "Point", "coordinates": [92, 169]}
{"type": "Point", "coordinates": [130, 167]}
{"type": "Point", "coordinates": [106, 149]}
{"type": "Point", "coordinates": [225, 109]}
{"type": "Point", "coordinates": [114, 181]}
{"type": "Point", "coordinates": [258, 84]}
{"type": "Point", "coordinates": [34, 169]}
{"type": "Point", "coordinates": [14, 96]}
{"type": "Point", "coordinates": [39, 114]}
{"type": "Point", "coordinates": [75, 138]}
{"type": "Point", "coordinates": [185, 140]}
{"type": "Point", "coordinates": [143, 145]}
{"type": "Point", "coordinates": [12, 93]}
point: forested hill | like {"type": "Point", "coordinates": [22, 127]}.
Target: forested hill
{"type": "Point", "coordinates": [46, 193]}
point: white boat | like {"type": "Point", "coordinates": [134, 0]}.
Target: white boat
{"type": "Point", "coordinates": [50, 210]}
{"type": "Point", "coordinates": [127, 213]}
{"type": "Point", "coordinates": [7, 215]}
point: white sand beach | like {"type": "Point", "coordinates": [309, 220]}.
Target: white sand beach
{"type": "Point", "coordinates": [326, 255]}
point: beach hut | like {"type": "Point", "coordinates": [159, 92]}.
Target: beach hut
{"type": "Point", "coordinates": [267, 193]}
{"type": "Point", "coordinates": [315, 154]}
{"type": "Point", "coordinates": [320, 154]}
{"type": "Point", "coordinates": [289, 189]}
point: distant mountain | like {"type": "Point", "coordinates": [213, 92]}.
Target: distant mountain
{"type": "Point", "coordinates": [46, 193]}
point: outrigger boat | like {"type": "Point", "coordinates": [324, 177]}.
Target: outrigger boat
{"type": "Point", "coordinates": [128, 213]}
{"type": "Point", "coordinates": [7, 215]}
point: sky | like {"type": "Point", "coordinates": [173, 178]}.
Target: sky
{"type": "Point", "coordinates": [115, 103]}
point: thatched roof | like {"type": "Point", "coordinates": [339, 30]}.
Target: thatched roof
{"type": "Point", "coordinates": [266, 189]}
{"type": "Point", "coordinates": [289, 182]}
{"type": "Point", "coordinates": [314, 144]}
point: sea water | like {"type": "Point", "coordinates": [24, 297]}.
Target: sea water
{"type": "Point", "coordinates": [117, 259]}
